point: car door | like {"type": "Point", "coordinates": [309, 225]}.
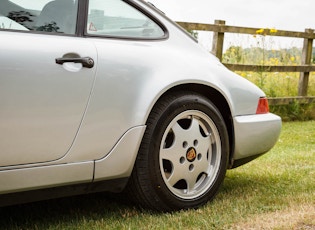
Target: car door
{"type": "Point", "coordinates": [46, 78]}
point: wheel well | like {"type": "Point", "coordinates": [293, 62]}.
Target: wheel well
{"type": "Point", "coordinates": [219, 101]}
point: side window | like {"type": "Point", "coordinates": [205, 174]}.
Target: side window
{"type": "Point", "coordinates": [116, 18]}
{"type": "Point", "coordinates": [53, 16]}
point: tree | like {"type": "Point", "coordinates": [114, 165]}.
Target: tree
{"type": "Point", "coordinates": [21, 17]}
{"type": "Point", "coordinates": [49, 27]}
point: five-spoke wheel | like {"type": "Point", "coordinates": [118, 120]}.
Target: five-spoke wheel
{"type": "Point", "coordinates": [183, 155]}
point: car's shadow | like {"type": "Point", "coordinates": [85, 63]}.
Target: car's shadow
{"type": "Point", "coordinates": [65, 210]}
{"type": "Point", "coordinates": [69, 210]}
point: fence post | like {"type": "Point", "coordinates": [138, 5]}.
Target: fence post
{"type": "Point", "coordinates": [218, 40]}
{"type": "Point", "coordinates": [306, 60]}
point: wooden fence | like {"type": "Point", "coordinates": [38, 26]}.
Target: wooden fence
{"type": "Point", "coordinates": [219, 29]}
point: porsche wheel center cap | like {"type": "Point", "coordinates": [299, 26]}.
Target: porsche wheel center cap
{"type": "Point", "coordinates": [191, 154]}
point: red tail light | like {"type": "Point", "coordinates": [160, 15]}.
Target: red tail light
{"type": "Point", "coordinates": [263, 106]}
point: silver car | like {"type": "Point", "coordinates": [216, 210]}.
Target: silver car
{"type": "Point", "coordinates": [111, 95]}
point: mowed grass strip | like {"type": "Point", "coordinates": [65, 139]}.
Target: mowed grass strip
{"type": "Point", "coordinates": [276, 191]}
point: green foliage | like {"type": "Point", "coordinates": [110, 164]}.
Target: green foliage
{"type": "Point", "coordinates": [234, 55]}
{"type": "Point", "coordinates": [275, 84]}
{"type": "Point", "coordinates": [193, 33]}
{"type": "Point", "coordinates": [295, 111]}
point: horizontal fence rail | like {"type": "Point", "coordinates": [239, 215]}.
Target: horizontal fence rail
{"type": "Point", "coordinates": [219, 28]}
{"type": "Point", "coordinates": [222, 28]}
{"type": "Point", "coordinates": [290, 100]}
{"type": "Point", "coordinates": [270, 68]}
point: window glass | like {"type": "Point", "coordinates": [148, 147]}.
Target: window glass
{"type": "Point", "coordinates": [117, 18]}
{"type": "Point", "coordinates": [54, 16]}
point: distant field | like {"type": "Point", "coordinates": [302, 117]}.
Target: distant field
{"type": "Point", "coordinates": [274, 84]}
{"type": "Point", "coordinates": [276, 191]}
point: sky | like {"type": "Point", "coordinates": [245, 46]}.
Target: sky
{"type": "Point", "coordinates": [293, 15]}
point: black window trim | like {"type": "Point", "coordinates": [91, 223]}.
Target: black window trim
{"type": "Point", "coordinates": [82, 17]}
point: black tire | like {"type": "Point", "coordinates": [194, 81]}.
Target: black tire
{"type": "Point", "coordinates": [183, 156]}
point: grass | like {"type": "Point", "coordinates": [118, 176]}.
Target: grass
{"type": "Point", "coordinates": [276, 191]}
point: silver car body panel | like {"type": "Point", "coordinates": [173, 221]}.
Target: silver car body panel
{"type": "Point", "coordinates": [99, 114]}
{"type": "Point", "coordinates": [42, 103]}
{"type": "Point", "coordinates": [255, 134]}
{"type": "Point", "coordinates": [122, 157]}
{"type": "Point", "coordinates": [45, 176]}
{"type": "Point", "coordinates": [117, 164]}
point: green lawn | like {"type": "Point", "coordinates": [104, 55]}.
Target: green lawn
{"type": "Point", "coordinates": [276, 191]}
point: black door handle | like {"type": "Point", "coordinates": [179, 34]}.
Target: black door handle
{"type": "Point", "coordinates": [87, 62]}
